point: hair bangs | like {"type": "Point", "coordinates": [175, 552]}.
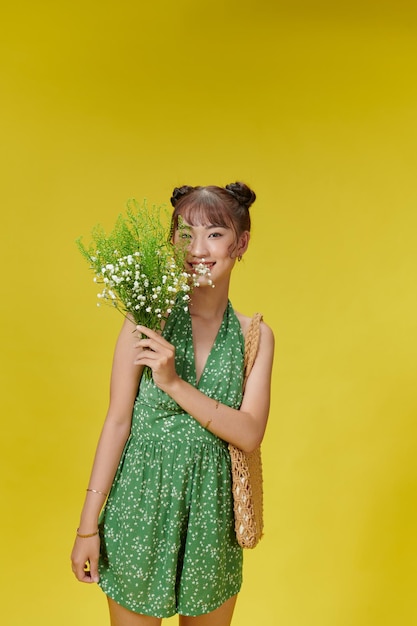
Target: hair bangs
{"type": "Point", "coordinates": [203, 209]}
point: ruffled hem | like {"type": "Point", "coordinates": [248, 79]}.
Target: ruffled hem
{"type": "Point", "coordinates": [144, 610]}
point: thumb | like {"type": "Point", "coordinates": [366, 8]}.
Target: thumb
{"type": "Point", "coordinates": [94, 570]}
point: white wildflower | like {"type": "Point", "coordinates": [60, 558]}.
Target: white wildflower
{"type": "Point", "coordinates": [146, 278]}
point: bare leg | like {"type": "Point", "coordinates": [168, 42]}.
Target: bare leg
{"type": "Point", "coordinates": [119, 616]}
{"type": "Point", "coordinates": [220, 617]}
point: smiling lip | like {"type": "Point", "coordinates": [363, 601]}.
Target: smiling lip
{"type": "Point", "coordinates": [199, 263]}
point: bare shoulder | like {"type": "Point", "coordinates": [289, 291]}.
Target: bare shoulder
{"type": "Point", "coordinates": [125, 344]}
{"type": "Point", "coordinates": [262, 368]}
{"type": "Point", "coordinates": [127, 331]}
{"type": "Point", "coordinates": [267, 334]}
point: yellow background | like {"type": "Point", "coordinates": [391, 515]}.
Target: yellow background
{"type": "Point", "coordinates": [315, 105]}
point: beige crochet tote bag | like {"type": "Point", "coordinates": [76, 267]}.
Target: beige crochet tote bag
{"type": "Point", "coordinates": [247, 468]}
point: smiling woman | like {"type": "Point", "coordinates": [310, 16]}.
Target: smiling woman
{"type": "Point", "coordinates": [211, 249]}
{"type": "Point", "coordinates": [213, 213]}
{"type": "Point", "coordinates": [165, 541]}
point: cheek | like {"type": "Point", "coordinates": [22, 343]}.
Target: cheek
{"type": "Point", "coordinates": [231, 249]}
{"type": "Point", "coordinates": [177, 240]}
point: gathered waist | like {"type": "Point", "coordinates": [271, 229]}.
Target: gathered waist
{"type": "Point", "coordinates": [165, 451]}
{"type": "Point", "coordinates": [165, 427]}
{"type": "Point", "coordinates": [177, 437]}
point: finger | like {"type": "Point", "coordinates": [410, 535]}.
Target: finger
{"type": "Point", "coordinates": [157, 345]}
{"type": "Point", "coordinates": [145, 330]}
{"type": "Point", "coordinates": [146, 357]}
{"type": "Point", "coordinates": [152, 334]}
{"type": "Point", "coordinates": [94, 570]}
{"type": "Point", "coordinates": [86, 575]}
{"type": "Point", "coordinates": [144, 343]}
{"type": "Point", "coordinates": [82, 572]}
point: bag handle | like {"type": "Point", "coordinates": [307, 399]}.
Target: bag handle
{"type": "Point", "coordinates": [251, 344]}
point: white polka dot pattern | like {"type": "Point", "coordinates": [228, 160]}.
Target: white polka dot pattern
{"type": "Point", "coordinates": [168, 540]}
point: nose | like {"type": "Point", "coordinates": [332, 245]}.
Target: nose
{"type": "Point", "coordinates": [198, 247]}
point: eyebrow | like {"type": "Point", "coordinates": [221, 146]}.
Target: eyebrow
{"type": "Point", "coordinates": [211, 226]}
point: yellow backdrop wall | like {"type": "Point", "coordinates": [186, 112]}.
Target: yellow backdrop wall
{"type": "Point", "coordinates": [315, 107]}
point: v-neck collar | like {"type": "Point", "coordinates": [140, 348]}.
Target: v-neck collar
{"type": "Point", "coordinates": [217, 339]}
{"type": "Point", "coordinates": [222, 375]}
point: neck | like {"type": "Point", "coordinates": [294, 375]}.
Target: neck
{"type": "Point", "coordinates": [208, 302]}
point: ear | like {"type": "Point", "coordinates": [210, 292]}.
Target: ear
{"type": "Point", "coordinates": [242, 244]}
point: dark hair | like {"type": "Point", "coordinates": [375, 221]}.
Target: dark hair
{"type": "Point", "coordinates": [227, 207]}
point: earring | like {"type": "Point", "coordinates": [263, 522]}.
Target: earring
{"type": "Point", "coordinates": [239, 258]}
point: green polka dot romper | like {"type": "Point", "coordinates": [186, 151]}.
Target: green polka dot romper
{"type": "Point", "coordinates": [167, 533]}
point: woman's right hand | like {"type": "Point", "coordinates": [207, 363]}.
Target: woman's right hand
{"type": "Point", "coordinates": [84, 558]}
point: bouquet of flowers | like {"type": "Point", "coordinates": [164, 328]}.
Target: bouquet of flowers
{"type": "Point", "coordinates": [139, 268]}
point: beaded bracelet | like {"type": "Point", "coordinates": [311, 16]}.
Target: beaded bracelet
{"type": "Point", "coordinates": [88, 535]}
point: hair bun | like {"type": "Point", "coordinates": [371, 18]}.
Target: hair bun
{"type": "Point", "coordinates": [243, 194]}
{"type": "Point", "coordinates": [180, 192]}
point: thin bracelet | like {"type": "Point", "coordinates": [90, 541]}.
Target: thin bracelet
{"type": "Point", "coordinates": [96, 491]}
{"type": "Point", "coordinates": [87, 536]}
{"type": "Point", "coordinates": [210, 420]}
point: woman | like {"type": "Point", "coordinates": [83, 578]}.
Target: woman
{"type": "Point", "coordinates": [165, 541]}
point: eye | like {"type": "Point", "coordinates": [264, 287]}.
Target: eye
{"type": "Point", "coordinates": [183, 235]}
{"type": "Point", "coordinates": [215, 234]}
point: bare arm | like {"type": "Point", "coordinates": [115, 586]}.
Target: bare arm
{"type": "Point", "coordinates": [244, 427]}
{"type": "Point", "coordinates": [123, 388]}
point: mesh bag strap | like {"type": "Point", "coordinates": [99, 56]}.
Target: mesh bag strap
{"type": "Point", "coordinates": [251, 344]}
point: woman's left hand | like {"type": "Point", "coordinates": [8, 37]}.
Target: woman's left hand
{"type": "Point", "coordinates": [158, 354]}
